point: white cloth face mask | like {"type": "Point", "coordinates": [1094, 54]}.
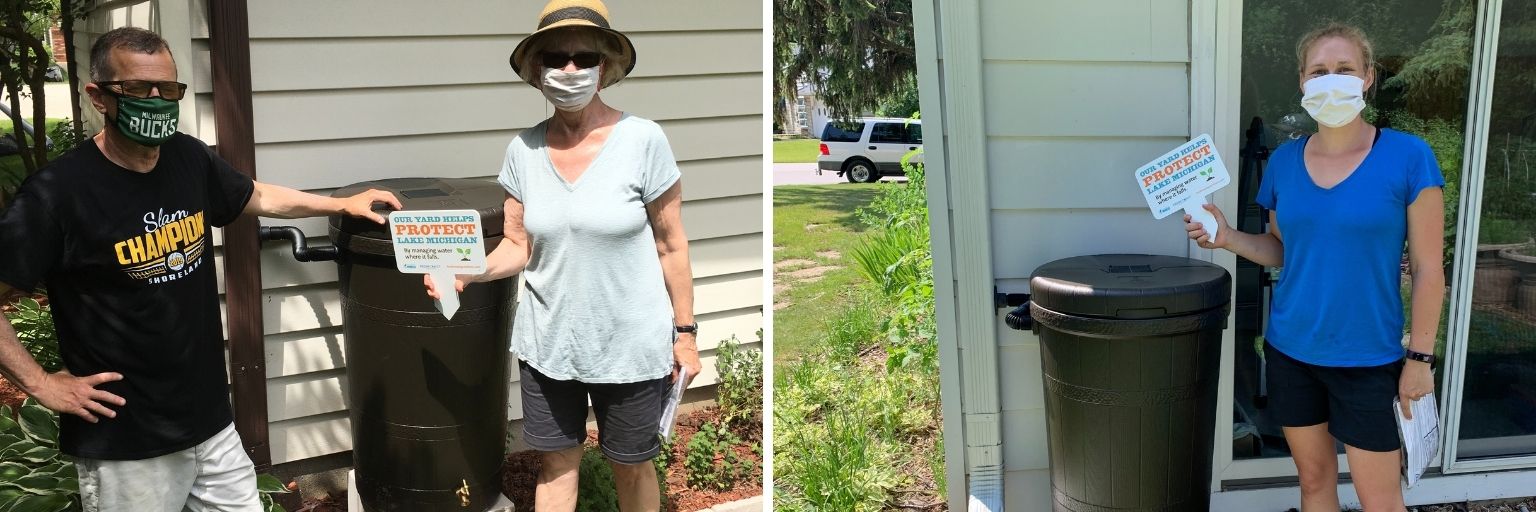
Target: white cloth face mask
{"type": "Point", "coordinates": [570, 91]}
{"type": "Point", "coordinates": [1333, 100]}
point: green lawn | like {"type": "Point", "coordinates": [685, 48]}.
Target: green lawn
{"type": "Point", "coordinates": [796, 151]}
{"type": "Point", "coordinates": [810, 224]}
{"type": "Point", "coordinates": [11, 167]}
{"type": "Point", "coordinates": [851, 431]}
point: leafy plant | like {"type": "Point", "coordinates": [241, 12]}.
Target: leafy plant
{"type": "Point", "coordinates": [740, 394]}
{"type": "Point", "coordinates": [34, 475]}
{"type": "Point", "coordinates": [1502, 231]}
{"type": "Point", "coordinates": [851, 331]}
{"type": "Point", "coordinates": [65, 136]}
{"type": "Point", "coordinates": [898, 258]}
{"type": "Point", "coordinates": [34, 326]}
{"type": "Point", "coordinates": [266, 486]}
{"type": "Point", "coordinates": [841, 470]}
{"type": "Point", "coordinates": [595, 491]}
{"type": "Point", "coordinates": [891, 258]}
{"type": "Point", "coordinates": [711, 463]}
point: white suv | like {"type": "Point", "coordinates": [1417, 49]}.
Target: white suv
{"type": "Point", "coordinates": [865, 149]}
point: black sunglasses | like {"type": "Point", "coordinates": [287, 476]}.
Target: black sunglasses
{"type": "Point", "coordinates": [140, 88]}
{"type": "Point", "coordinates": [583, 60]}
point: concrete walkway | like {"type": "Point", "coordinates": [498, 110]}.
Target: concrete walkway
{"type": "Point", "coordinates": [753, 504]}
{"type": "Point", "coordinates": [56, 98]}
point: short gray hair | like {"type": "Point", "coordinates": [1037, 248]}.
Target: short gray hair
{"type": "Point", "coordinates": [133, 39]}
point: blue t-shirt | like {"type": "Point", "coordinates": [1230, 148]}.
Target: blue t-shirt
{"type": "Point", "coordinates": [1337, 302]}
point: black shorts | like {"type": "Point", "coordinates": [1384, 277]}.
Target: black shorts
{"type": "Point", "coordinates": [1355, 402]}
{"type": "Point", "coordinates": [628, 415]}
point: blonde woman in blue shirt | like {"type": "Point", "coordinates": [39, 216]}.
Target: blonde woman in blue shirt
{"type": "Point", "coordinates": [1342, 204]}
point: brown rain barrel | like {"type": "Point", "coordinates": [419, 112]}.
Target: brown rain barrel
{"type": "Point", "coordinates": [1130, 350]}
{"type": "Point", "coordinates": [428, 396]}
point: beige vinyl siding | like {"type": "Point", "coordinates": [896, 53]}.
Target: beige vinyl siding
{"type": "Point", "coordinates": [1075, 99]}
{"type": "Point", "coordinates": [345, 92]}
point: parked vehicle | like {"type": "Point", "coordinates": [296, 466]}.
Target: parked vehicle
{"type": "Point", "coordinates": [865, 149]}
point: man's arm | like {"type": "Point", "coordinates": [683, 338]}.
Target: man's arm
{"type": "Point", "coordinates": [61, 392]}
{"type": "Point", "coordinates": [281, 202]}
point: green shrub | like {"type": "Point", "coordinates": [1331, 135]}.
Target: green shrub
{"type": "Point", "coordinates": [891, 258]}
{"type": "Point", "coordinates": [740, 394]}
{"type": "Point", "coordinates": [1502, 231]}
{"type": "Point", "coordinates": [595, 491]}
{"type": "Point", "coordinates": [711, 463]}
{"type": "Point", "coordinates": [840, 470]}
{"type": "Point", "coordinates": [34, 326]}
{"type": "Point", "coordinates": [595, 488]}
{"type": "Point", "coordinates": [852, 331]}
{"type": "Point", "coordinates": [34, 475]}
{"type": "Point", "coordinates": [898, 259]}
{"type": "Point", "coordinates": [65, 137]}
{"type": "Point", "coordinates": [267, 485]}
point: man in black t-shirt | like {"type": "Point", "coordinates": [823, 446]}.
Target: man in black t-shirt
{"type": "Point", "coordinates": [119, 229]}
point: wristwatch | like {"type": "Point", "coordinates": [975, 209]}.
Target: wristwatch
{"type": "Point", "coordinates": [690, 328]}
{"type": "Point", "coordinates": [1421, 357]}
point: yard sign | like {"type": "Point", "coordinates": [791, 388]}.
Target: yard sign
{"type": "Point", "coordinates": [1180, 180]}
{"type": "Point", "coordinates": [439, 243]}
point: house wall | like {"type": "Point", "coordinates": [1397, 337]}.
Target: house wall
{"type": "Point", "coordinates": [343, 94]}
{"type": "Point", "coordinates": [1108, 89]}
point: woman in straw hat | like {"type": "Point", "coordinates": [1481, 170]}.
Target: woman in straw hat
{"type": "Point", "coordinates": [593, 221]}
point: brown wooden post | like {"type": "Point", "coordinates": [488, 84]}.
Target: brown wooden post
{"type": "Point", "coordinates": [229, 45]}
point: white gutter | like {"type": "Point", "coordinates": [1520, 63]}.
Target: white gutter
{"type": "Point", "coordinates": [929, 92]}
{"type": "Point", "coordinates": [973, 318]}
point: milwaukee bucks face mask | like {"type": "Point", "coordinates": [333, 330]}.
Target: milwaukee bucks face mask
{"type": "Point", "coordinates": [146, 121]}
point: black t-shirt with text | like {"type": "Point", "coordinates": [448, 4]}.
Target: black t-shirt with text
{"type": "Point", "coordinates": [127, 258]}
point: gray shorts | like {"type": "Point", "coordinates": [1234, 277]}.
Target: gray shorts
{"type": "Point", "coordinates": [628, 415]}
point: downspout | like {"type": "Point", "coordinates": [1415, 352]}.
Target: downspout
{"type": "Point", "coordinates": [976, 321]}
{"type": "Point", "coordinates": [229, 45]}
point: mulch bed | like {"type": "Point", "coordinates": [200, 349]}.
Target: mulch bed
{"type": "Point", "coordinates": [10, 394]}
{"type": "Point", "coordinates": [520, 473]}
{"type": "Point", "coordinates": [1508, 505]}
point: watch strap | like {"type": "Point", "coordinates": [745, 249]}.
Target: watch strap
{"type": "Point", "coordinates": [1421, 357]}
{"type": "Point", "coordinates": [690, 328]}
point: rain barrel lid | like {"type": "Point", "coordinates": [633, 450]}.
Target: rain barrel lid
{"type": "Point", "coordinates": [361, 235]}
{"type": "Point", "coordinates": [1129, 286]}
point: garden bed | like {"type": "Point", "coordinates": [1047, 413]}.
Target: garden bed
{"type": "Point", "coordinates": [520, 472]}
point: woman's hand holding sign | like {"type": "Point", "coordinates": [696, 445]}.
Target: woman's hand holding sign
{"type": "Point", "coordinates": [459, 282]}
{"type": "Point", "coordinates": [1197, 231]}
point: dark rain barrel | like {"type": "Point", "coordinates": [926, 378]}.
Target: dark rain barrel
{"type": "Point", "coordinates": [428, 396]}
{"type": "Point", "coordinates": [1130, 347]}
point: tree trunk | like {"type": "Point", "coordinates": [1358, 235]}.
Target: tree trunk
{"type": "Point", "coordinates": [67, 26]}
{"type": "Point", "coordinates": [32, 77]}
{"type": "Point", "coordinates": [11, 94]}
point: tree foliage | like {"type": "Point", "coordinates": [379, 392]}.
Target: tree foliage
{"type": "Point", "coordinates": [24, 59]}
{"type": "Point", "coordinates": [857, 54]}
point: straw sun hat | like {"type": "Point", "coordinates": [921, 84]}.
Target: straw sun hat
{"type": "Point", "coordinates": [576, 13]}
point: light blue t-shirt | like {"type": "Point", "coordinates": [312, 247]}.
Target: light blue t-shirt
{"type": "Point", "coordinates": [594, 306]}
{"type": "Point", "coordinates": [1337, 302]}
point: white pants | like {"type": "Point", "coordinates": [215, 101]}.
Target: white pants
{"type": "Point", "coordinates": [215, 475]}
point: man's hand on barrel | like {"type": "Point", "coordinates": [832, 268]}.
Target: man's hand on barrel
{"type": "Point", "coordinates": [361, 204]}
